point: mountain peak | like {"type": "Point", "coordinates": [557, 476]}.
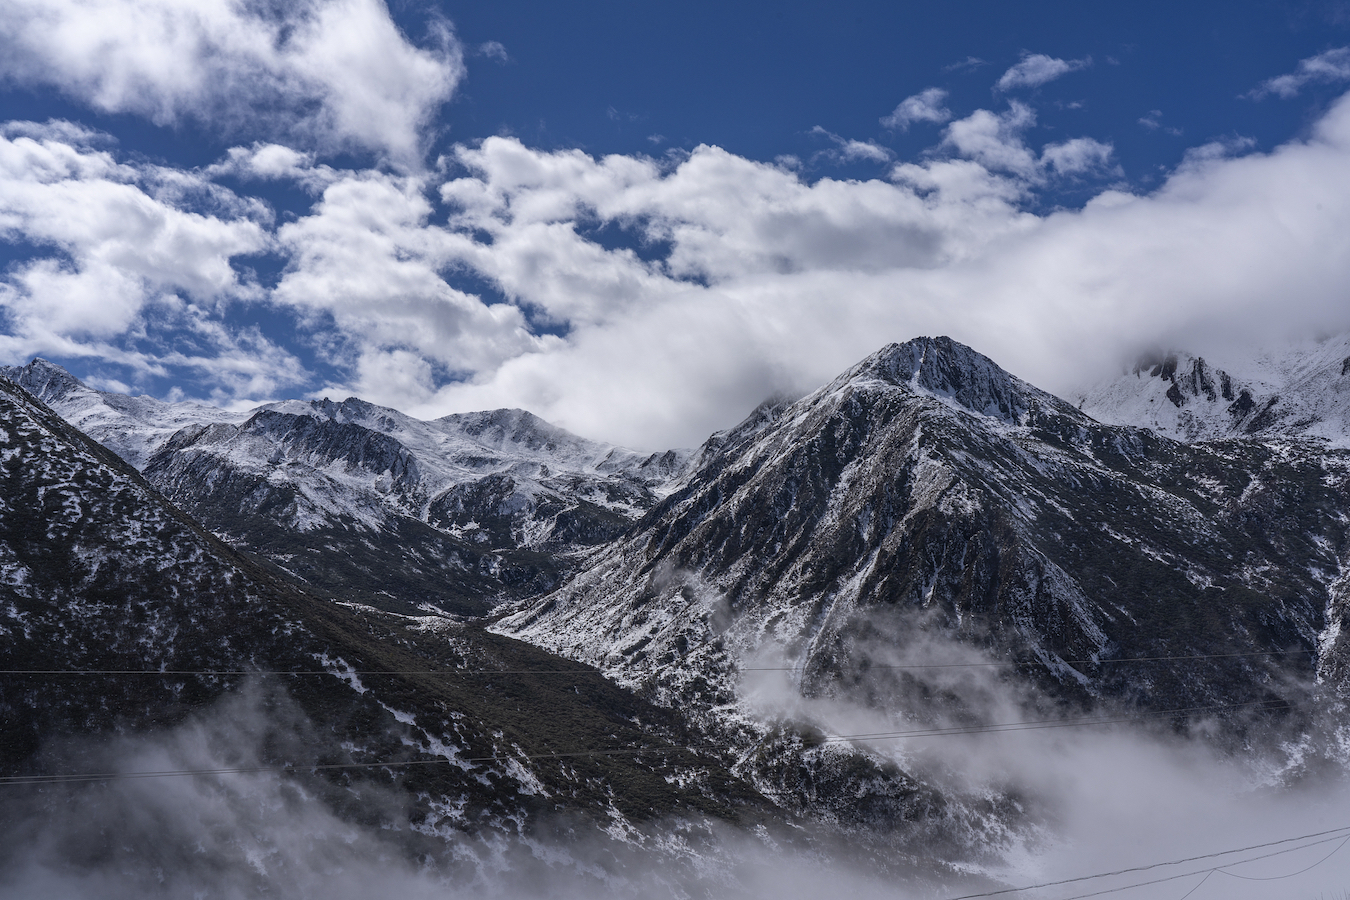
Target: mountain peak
{"type": "Point", "coordinates": [948, 369]}
{"type": "Point", "coordinates": [44, 379]}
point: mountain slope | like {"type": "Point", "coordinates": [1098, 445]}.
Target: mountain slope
{"type": "Point", "coordinates": [98, 572]}
{"type": "Point", "coordinates": [132, 427]}
{"type": "Point", "coordinates": [928, 507]}
{"type": "Point", "coordinates": [367, 504]}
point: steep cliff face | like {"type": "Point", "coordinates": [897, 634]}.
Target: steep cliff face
{"type": "Point", "coordinates": [928, 507]}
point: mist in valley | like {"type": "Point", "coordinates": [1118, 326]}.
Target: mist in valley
{"type": "Point", "coordinates": [1049, 804]}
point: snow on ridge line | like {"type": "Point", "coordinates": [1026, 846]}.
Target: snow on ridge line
{"type": "Point", "coordinates": [1298, 390]}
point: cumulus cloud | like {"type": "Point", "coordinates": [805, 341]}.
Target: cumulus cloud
{"type": "Point", "coordinates": [123, 252]}
{"type": "Point", "coordinates": [925, 106]}
{"type": "Point", "coordinates": [1078, 156]}
{"type": "Point", "coordinates": [1325, 68]}
{"type": "Point", "coordinates": [330, 74]}
{"type": "Point", "coordinates": [994, 140]}
{"type": "Point", "coordinates": [367, 261]}
{"type": "Point", "coordinates": [274, 162]}
{"type": "Point", "coordinates": [1036, 69]}
{"type": "Point", "coordinates": [772, 283]}
{"type": "Point", "coordinates": [651, 301]}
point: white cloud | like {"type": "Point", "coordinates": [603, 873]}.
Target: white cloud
{"type": "Point", "coordinates": [1229, 246]}
{"type": "Point", "coordinates": [995, 140]}
{"type": "Point", "coordinates": [1037, 69]}
{"type": "Point", "coordinates": [1079, 156]}
{"type": "Point", "coordinates": [1153, 122]}
{"type": "Point", "coordinates": [1325, 68]}
{"type": "Point", "coordinates": [331, 74]}
{"type": "Point", "coordinates": [750, 278]}
{"type": "Point", "coordinates": [367, 261]}
{"type": "Point", "coordinates": [494, 50]}
{"type": "Point", "coordinates": [925, 106]}
{"type": "Point", "coordinates": [124, 254]}
{"type": "Point", "coordinates": [274, 162]}
{"type": "Point", "coordinates": [849, 151]}
{"type": "Point", "coordinates": [970, 62]}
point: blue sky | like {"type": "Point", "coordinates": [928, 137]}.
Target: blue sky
{"type": "Point", "coordinates": [639, 219]}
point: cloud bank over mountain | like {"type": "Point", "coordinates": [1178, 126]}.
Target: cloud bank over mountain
{"type": "Point", "coordinates": [504, 274]}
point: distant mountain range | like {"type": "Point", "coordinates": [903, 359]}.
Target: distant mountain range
{"type": "Point", "coordinates": [1176, 539]}
{"type": "Point", "coordinates": [366, 503]}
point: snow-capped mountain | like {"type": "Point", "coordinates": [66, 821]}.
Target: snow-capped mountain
{"type": "Point", "coordinates": [926, 498]}
{"type": "Point", "coordinates": [925, 508]}
{"type": "Point", "coordinates": [446, 734]}
{"type": "Point", "coordinates": [132, 427]}
{"type": "Point", "coordinates": [1299, 390]}
{"type": "Point", "coordinates": [370, 504]}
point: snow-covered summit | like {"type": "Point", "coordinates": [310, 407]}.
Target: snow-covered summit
{"type": "Point", "coordinates": [1297, 390]}
{"type": "Point", "coordinates": [949, 370]}
{"type": "Point", "coordinates": [463, 509]}
{"type": "Point", "coordinates": [132, 427]}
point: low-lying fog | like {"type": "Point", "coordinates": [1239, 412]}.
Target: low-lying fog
{"type": "Point", "coordinates": [1096, 799]}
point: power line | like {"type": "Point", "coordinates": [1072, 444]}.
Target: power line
{"type": "Point", "coordinates": [1337, 849]}
{"type": "Point", "coordinates": [1069, 662]}
{"type": "Point", "coordinates": [1337, 832]}
{"type": "Point", "coordinates": [1222, 870]}
{"type": "Point", "coordinates": [635, 751]}
{"type": "Point", "coordinates": [587, 671]}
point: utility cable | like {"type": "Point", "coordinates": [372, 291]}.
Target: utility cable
{"type": "Point", "coordinates": [636, 751]}
{"type": "Point", "coordinates": [1338, 835]}
{"type": "Point", "coordinates": [1224, 871]}
{"type": "Point", "coordinates": [451, 671]}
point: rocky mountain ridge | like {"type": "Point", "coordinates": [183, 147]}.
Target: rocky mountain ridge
{"type": "Point", "coordinates": [370, 504]}
{"type": "Point", "coordinates": [122, 620]}
{"type": "Point", "coordinates": [852, 561]}
{"type": "Point", "coordinates": [1298, 391]}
